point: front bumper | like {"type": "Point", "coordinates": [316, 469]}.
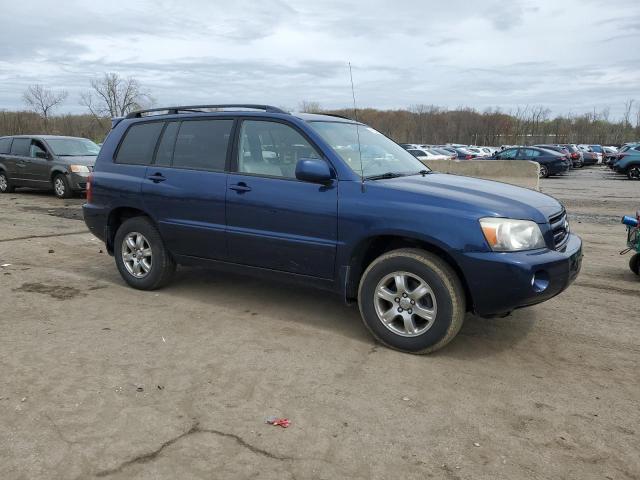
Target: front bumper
{"type": "Point", "coordinates": [78, 181]}
{"type": "Point", "coordinates": [501, 282]}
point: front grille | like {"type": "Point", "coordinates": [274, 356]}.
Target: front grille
{"type": "Point", "coordinates": [560, 229]}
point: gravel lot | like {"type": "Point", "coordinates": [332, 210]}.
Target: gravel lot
{"type": "Point", "coordinates": [99, 380]}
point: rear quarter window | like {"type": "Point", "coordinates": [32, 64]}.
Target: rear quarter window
{"type": "Point", "coordinates": [5, 145]}
{"type": "Point", "coordinates": [139, 143]}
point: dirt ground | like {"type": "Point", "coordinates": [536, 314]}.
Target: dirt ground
{"type": "Point", "coordinates": [100, 380]}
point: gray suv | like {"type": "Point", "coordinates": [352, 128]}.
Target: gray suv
{"type": "Point", "coordinates": [46, 162]}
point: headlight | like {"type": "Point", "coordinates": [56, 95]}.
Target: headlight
{"type": "Point", "coordinates": [507, 235]}
{"type": "Point", "coordinates": [79, 168]}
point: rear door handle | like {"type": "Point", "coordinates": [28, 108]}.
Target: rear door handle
{"type": "Point", "coordinates": [240, 187]}
{"type": "Point", "coordinates": [157, 177]}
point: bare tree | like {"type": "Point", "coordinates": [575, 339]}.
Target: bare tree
{"type": "Point", "coordinates": [310, 107]}
{"type": "Point", "coordinates": [115, 96]}
{"type": "Point", "coordinates": [43, 100]}
{"type": "Point", "coordinates": [628, 105]}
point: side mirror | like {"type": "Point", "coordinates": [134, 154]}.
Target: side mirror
{"type": "Point", "coordinates": [313, 170]}
{"type": "Point", "coordinates": [44, 155]}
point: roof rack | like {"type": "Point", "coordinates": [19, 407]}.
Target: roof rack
{"type": "Point", "coordinates": [336, 115]}
{"type": "Point", "coordinates": [197, 109]}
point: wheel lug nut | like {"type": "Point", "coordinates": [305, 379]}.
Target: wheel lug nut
{"type": "Point", "coordinates": [400, 309]}
{"type": "Point", "coordinates": [397, 300]}
{"type": "Point", "coordinates": [404, 295]}
{"type": "Point", "coordinates": [409, 311]}
{"type": "Point", "coordinates": [413, 302]}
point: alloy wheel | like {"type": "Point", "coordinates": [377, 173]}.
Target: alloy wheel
{"type": "Point", "coordinates": [405, 304]}
{"type": "Point", "coordinates": [634, 173]}
{"type": "Point", "coordinates": [543, 171]}
{"type": "Point", "coordinates": [59, 187]}
{"type": "Point", "coordinates": [137, 255]}
{"type": "Point", "coordinates": [4, 184]}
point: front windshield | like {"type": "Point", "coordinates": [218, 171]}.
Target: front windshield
{"type": "Point", "coordinates": [73, 147]}
{"type": "Point", "coordinates": [377, 155]}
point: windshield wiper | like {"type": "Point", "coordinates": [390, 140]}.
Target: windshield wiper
{"type": "Point", "coordinates": [386, 175]}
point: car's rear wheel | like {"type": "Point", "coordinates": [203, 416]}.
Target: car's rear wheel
{"type": "Point", "coordinates": [544, 171]}
{"type": "Point", "coordinates": [141, 257]}
{"type": "Point", "coordinates": [634, 173]}
{"type": "Point", "coordinates": [412, 301]}
{"type": "Point", "coordinates": [61, 186]}
{"type": "Point", "coordinates": [5, 184]}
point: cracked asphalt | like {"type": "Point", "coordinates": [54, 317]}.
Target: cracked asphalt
{"type": "Point", "coordinates": [102, 381]}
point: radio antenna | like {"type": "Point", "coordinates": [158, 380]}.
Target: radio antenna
{"type": "Point", "coordinates": [355, 115]}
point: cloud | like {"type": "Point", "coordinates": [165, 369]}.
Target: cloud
{"type": "Point", "coordinates": [480, 54]}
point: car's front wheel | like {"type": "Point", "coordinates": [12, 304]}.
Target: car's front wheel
{"type": "Point", "coordinates": [141, 257]}
{"type": "Point", "coordinates": [5, 184]}
{"type": "Point", "coordinates": [61, 186]}
{"type": "Point", "coordinates": [634, 173]}
{"type": "Point", "coordinates": [412, 301]}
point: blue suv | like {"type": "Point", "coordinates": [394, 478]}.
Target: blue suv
{"type": "Point", "coordinates": [327, 201]}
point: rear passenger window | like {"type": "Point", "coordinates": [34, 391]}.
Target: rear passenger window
{"type": "Point", "coordinates": [202, 144]}
{"type": "Point", "coordinates": [20, 146]}
{"type": "Point", "coordinates": [139, 143]}
{"type": "Point", "coordinates": [165, 149]}
{"type": "Point", "coordinates": [5, 145]}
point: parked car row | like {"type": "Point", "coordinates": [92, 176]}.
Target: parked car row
{"type": "Point", "coordinates": [554, 159]}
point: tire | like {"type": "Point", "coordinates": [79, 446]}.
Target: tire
{"type": "Point", "coordinates": [61, 186]}
{"type": "Point", "coordinates": [634, 172]}
{"type": "Point", "coordinates": [159, 262]}
{"type": "Point", "coordinates": [445, 300]}
{"type": "Point", "coordinates": [544, 171]}
{"type": "Point", "coordinates": [634, 264]}
{"type": "Point", "coordinates": [5, 183]}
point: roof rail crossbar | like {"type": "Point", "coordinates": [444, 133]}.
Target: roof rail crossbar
{"type": "Point", "coordinates": [197, 109]}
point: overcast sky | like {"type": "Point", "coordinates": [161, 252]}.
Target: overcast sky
{"type": "Point", "coordinates": [569, 55]}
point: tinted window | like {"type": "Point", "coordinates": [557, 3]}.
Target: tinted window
{"type": "Point", "coordinates": [202, 144]}
{"type": "Point", "coordinates": [509, 154]}
{"type": "Point", "coordinates": [20, 146]}
{"type": "Point", "coordinates": [530, 153]}
{"type": "Point", "coordinates": [270, 148]}
{"type": "Point", "coordinates": [5, 145]}
{"type": "Point", "coordinates": [165, 149]}
{"type": "Point", "coordinates": [139, 143]}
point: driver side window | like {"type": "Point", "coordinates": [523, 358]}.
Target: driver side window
{"type": "Point", "coordinates": [37, 150]}
{"type": "Point", "coordinates": [271, 149]}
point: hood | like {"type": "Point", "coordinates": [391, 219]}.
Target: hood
{"type": "Point", "coordinates": [88, 161]}
{"type": "Point", "coordinates": [476, 197]}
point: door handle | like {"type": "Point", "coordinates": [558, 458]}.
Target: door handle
{"type": "Point", "coordinates": [157, 177]}
{"type": "Point", "coordinates": [240, 187]}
